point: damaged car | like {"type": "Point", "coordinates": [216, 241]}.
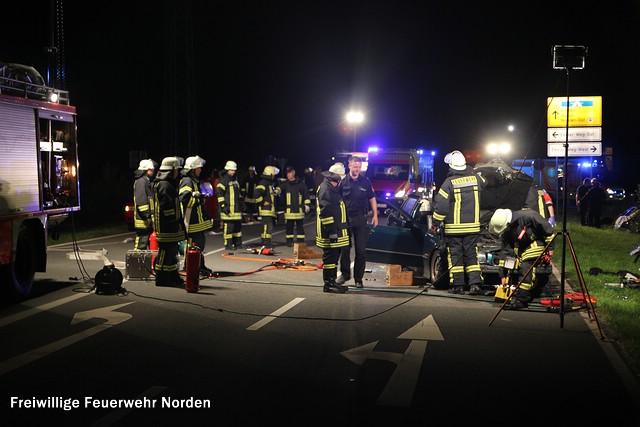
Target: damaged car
{"type": "Point", "coordinates": [407, 238]}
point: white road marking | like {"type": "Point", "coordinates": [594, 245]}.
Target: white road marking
{"type": "Point", "coordinates": [113, 318]}
{"type": "Point", "coordinates": [39, 309]}
{"type": "Point", "coordinates": [259, 324]}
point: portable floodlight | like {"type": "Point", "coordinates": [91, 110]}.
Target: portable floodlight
{"type": "Point", "coordinates": [569, 57]}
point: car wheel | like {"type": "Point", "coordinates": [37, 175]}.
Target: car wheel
{"type": "Point", "coordinates": [438, 272]}
{"type": "Point", "coordinates": [18, 276]}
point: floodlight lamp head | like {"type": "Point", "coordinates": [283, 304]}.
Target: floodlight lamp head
{"type": "Point", "coordinates": [569, 57]}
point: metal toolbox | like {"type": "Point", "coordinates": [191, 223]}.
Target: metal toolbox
{"type": "Point", "coordinates": [138, 264]}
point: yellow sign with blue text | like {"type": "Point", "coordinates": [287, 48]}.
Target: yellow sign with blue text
{"type": "Point", "coordinates": [583, 111]}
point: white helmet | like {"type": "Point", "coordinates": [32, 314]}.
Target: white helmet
{"type": "Point", "coordinates": [338, 168]}
{"type": "Point", "coordinates": [194, 162]}
{"type": "Point", "coordinates": [500, 220]}
{"type": "Point", "coordinates": [231, 166]}
{"type": "Point", "coordinates": [170, 163]}
{"type": "Point", "coordinates": [146, 164]}
{"type": "Point", "coordinates": [456, 160]}
{"type": "Point", "coordinates": [270, 170]}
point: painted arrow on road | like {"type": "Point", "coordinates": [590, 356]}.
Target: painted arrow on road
{"type": "Point", "coordinates": [111, 316]}
{"type": "Point", "coordinates": [400, 387]}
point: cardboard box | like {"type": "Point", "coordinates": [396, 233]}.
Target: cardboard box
{"type": "Point", "coordinates": [138, 264]}
{"type": "Point", "coordinates": [397, 277]}
{"type": "Point", "coordinates": [302, 251]}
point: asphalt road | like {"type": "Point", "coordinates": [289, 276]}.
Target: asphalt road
{"type": "Point", "coordinates": [265, 344]}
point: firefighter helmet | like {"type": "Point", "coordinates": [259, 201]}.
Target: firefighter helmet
{"type": "Point", "coordinates": [194, 162]}
{"type": "Point", "coordinates": [231, 166]}
{"type": "Point", "coordinates": [500, 220]}
{"type": "Point", "coordinates": [170, 163]}
{"type": "Point", "coordinates": [332, 176]}
{"type": "Point", "coordinates": [146, 164]}
{"type": "Point", "coordinates": [270, 170]}
{"type": "Point", "coordinates": [456, 160]}
{"type": "Point", "coordinates": [338, 168]}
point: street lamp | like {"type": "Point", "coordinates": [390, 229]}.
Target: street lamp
{"type": "Point", "coordinates": [354, 118]}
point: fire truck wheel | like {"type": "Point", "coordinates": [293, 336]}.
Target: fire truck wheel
{"type": "Point", "coordinates": [19, 275]}
{"type": "Point", "coordinates": [438, 270]}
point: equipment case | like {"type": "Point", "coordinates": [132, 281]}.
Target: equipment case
{"type": "Point", "coordinates": [138, 264]}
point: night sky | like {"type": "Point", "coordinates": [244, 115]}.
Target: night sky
{"type": "Point", "coordinates": [277, 77]}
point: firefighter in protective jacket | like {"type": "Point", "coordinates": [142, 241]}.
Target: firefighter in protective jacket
{"type": "Point", "coordinates": [297, 204]}
{"type": "Point", "coordinates": [197, 222]}
{"type": "Point", "coordinates": [228, 193]}
{"type": "Point", "coordinates": [457, 204]}
{"type": "Point", "coordinates": [524, 235]}
{"type": "Point", "coordinates": [143, 203]}
{"type": "Point", "coordinates": [168, 223]}
{"type": "Point", "coordinates": [265, 194]}
{"type": "Point", "coordinates": [332, 229]}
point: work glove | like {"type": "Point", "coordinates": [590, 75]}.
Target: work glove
{"type": "Point", "coordinates": [552, 221]}
{"type": "Point", "coordinates": [307, 209]}
{"type": "Point", "coordinates": [436, 226]}
{"type": "Point", "coordinates": [148, 223]}
{"type": "Point", "coordinates": [226, 210]}
{"type": "Point", "coordinates": [333, 238]}
{"type": "Point", "coordinates": [277, 190]}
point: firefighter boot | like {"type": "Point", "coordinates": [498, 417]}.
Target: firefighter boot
{"type": "Point", "coordinates": [330, 284]}
{"type": "Point", "coordinates": [237, 243]}
{"type": "Point", "coordinates": [475, 290]}
{"type": "Point", "coordinates": [459, 290]}
{"type": "Point", "coordinates": [521, 300]}
{"type": "Point", "coordinates": [289, 243]}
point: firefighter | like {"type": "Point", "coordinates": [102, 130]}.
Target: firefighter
{"type": "Point", "coordinates": [247, 191]}
{"type": "Point", "coordinates": [228, 192]}
{"type": "Point", "coordinates": [541, 201]}
{"type": "Point", "coordinates": [265, 194]}
{"type": "Point", "coordinates": [457, 206]}
{"type": "Point", "coordinates": [197, 222]}
{"type": "Point", "coordinates": [296, 205]}
{"type": "Point", "coordinates": [143, 203]}
{"type": "Point", "coordinates": [523, 234]}
{"type": "Point", "coordinates": [332, 229]}
{"type": "Point", "coordinates": [168, 223]}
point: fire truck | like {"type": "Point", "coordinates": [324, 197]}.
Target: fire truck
{"type": "Point", "coordinates": [396, 172]}
{"type": "Point", "coordinates": [39, 184]}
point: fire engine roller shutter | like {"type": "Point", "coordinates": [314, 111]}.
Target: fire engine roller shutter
{"type": "Point", "coordinates": [19, 166]}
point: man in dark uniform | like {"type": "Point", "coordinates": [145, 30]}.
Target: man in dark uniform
{"type": "Point", "coordinates": [332, 229]}
{"type": "Point", "coordinates": [359, 198]}
{"type": "Point", "coordinates": [581, 202]}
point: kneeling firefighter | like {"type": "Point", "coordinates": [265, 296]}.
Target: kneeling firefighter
{"type": "Point", "coordinates": [332, 229]}
{"type": "Point", "coordinates": [195, 216]}
{"type": "Point", "coordinates": [524, 235]}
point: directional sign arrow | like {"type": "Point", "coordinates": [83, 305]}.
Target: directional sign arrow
{"type": "Point", "coordinates": [112, 317]}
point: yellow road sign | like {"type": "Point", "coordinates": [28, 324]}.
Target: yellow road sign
{"type": "Point", "coordinates": [583, 111]}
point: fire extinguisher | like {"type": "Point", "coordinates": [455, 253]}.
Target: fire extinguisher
{"type": "Point", "coordinates": [192, 261]}
{"type": "Point", "coordinates": [153, 245]}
